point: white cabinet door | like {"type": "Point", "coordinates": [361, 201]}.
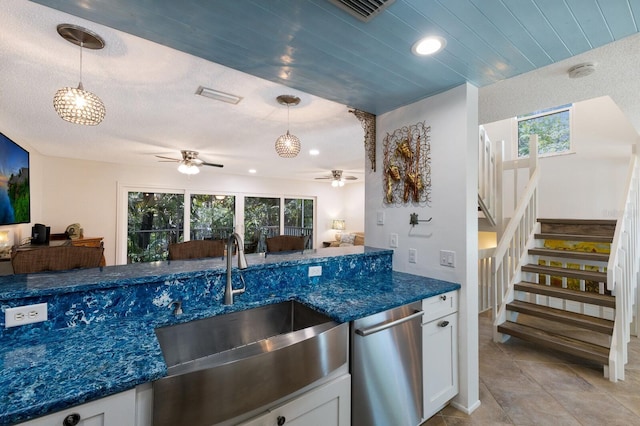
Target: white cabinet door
{"type": "Point", "coordinates": [328, 405]}
{"type": "Point", "coordinates": [440, 362]}
{"type": "Point", "coordinates": [114, 410]}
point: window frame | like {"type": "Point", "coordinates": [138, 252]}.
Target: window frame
{"type": "Point", "coordinates": [542, 113]}
{"type": "Point", "coordinates": [122, 211]}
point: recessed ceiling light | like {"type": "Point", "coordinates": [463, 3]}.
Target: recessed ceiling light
{"type": "Point", "coordinates": [428, 45]}
{"type": "Point", "coordinates": [252, 170]}
{"type": "Point", "coordinates": [218, 95]}
{"type": "Point", "coordinates": [314, 152]}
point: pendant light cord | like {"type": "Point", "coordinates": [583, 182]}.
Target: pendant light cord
{"type": "Point", "coordinates": [81, 45]}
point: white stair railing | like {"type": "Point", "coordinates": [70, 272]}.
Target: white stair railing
{"type": "Point", "coordinates": [512, 247]}
{"type": "Point", "coordinates": [622, 272]}
{"type": "Point", "coordinates": [488, 178]}
{"type": "Point", "coordinates": [485, 294]}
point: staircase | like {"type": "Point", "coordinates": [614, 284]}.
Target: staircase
{"type": "Point", "coordinates": [563, 302]}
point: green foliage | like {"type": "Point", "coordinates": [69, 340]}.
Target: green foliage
{"type": "Point", "coordinates": [210, 217]}
{"type": "Point", "coordinates": [553, 132]}
{"type": "Point", "coordinates": [260, 213]}
{"type": "Point", "coordinates": [19, 197]}
{"type": "Point", "coordinates": [154, 221]}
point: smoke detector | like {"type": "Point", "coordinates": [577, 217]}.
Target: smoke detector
{"type": "Point", "coordinates": [582, 70]}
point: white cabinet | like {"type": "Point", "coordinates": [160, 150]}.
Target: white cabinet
{"type": "Point", "coordinates": [439, 351]}
{"type": "Point", "coordinates": [327, 405]}
{"type": "Point", "coordinates": [113, 410]}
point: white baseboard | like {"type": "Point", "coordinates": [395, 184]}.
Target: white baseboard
{"type": "Point", "coordinates": [466, 410]}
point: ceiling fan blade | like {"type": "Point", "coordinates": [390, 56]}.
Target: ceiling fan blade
{"type": "Point", "coordinates": [204, 163]}
{"type": "Point", "coordinates": [168, 158]}
{"type": "Point", "coordinates": [349, 178]}
{"type": "Point", "coordinates": [325, 177]}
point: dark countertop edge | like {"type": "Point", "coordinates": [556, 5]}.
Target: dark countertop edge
{"type": "Point", "coordinates": [109, 282]}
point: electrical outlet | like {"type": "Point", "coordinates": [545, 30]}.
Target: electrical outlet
{"type": "Point", "coordinates": [448, 258]}
{"type": "Point", "coordinates": [393, 240]}
{"type": "Point", "coordinates": [27, 314]}
{"type": "Point", "coordinates": [315, 271]}
{"type": "Point", "coordinates": [413, 255]}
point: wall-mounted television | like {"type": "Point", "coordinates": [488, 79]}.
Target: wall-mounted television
{"type": "Point", "coordinates": [15, 196]}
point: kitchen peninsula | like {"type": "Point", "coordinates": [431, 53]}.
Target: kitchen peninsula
{"type": "Point", "coordinates": [99, 338]}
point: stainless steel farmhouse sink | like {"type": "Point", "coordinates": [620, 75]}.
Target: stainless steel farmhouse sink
{"type": "Point", "coordinates": [228, 365]}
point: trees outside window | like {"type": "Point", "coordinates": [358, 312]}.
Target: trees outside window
{"type": "Point", "coordinates": [212, 216]}
{"type": "Point", "coordinates": [553, 127]}
{"type": "Point", "coordinates": [261, 221]}
{"type": "Point", "coordinates": [298, 218]}
{"type": "Point", "coordinates": [154, 221]}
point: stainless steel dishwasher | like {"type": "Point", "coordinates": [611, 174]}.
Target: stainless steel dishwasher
{"type": "Point", "coordinates": [386, 368]}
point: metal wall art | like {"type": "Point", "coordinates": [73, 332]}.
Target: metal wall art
{"type": "Point", "coordinates": [407, 166]}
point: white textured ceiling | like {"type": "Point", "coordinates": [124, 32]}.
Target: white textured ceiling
{"type": "Point", "coordinates": [617, 76]}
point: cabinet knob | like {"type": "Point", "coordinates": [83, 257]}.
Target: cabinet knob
{"type": "Point", "coordinates": [444, 323]}
{"type": "Point", "coordinates": [71, 420]}
{"type": "Point", "coordinates": [281, 420]}
{"type": "Point", "coordinates": [443, 297]}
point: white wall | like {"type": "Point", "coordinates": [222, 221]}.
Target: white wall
{"type": "Point", "coordinates": [453, 117]}
{"type": "Point", "coordinates": [589, 183]}
{"type": "Point", "coordinates": [66, 191]}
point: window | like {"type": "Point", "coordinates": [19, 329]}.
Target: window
{"type": "Point", "coordinates": [298, 218]}
{"type": "Point", "coordinates": [151, 219]}
{"type": "Point", "coordinates": [154, 221]}
{"type": "Point", "coordinates": [212, 216]}
{"type": "Point", "coordinates": [261, 220]}
{"type": "Point", "coordinates": [553, 127]}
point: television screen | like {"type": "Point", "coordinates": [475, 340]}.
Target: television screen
{"type": "Point", "coordinates": [14, 183]}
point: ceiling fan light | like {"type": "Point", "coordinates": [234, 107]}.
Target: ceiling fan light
{"type": "Point", "coordinates": [334, 183]}
{"type": "Point", "coordinates": [288, 145]}
{"type": "Point", "coordinates": [188, 168]}
{"type": "Point", "coordinates": [79, 106]}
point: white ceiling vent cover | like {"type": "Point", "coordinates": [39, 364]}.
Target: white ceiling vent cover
{"type": "Point", "coordinates": [364, 10]}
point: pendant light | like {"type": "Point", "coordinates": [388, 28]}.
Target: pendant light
{"type": "Point", "coordinates": [288, 145]}
{"type": "Point", "coordinates": [77, 105]}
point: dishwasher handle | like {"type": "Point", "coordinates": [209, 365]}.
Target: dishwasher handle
{"type": "Point", "coordinates": [367, 331]}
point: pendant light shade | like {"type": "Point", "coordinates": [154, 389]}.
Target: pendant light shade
{"type": "Point", "coordinates": [77, 105]}
{"type": "Point", "coordinates": [288, 145]}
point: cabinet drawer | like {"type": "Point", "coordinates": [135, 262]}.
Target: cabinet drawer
{"type": "Point", "coordinates": [438, 306]}
{"type": "Point", "coordinates": [114, 410]}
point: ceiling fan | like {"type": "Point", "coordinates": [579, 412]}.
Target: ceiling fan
{"type": "Point", "coordinates": [337, 179]}
{"type": "Point", "coordinates": [190, 163]}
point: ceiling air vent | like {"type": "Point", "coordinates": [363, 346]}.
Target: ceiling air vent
{"type": "Point", "coordinates": [364, 10]}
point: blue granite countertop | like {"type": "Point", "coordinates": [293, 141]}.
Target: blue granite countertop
{"type": "Point", "coordinates": [43, 371]}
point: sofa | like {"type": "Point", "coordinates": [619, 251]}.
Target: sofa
{"type": "Point", "coordinates": [345, 239]}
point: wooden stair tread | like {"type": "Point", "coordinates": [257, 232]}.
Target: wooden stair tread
{"type": "Point", "coordinates": [610, 222]}
{"type": "Point", "coordinates": [570, 254]}
{"type": "Point", "coordinates": [565, 293]}
{"type": "Point", "coordinates": [566, 272]}
{"type": "Point", "coordinates": [588, 322]}
{"type": "Point", "coordinates": [590, 351]}
{"type": "Point", "coordinates": [574, 237]}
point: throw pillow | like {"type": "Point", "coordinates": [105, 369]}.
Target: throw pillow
{"type": "Point", "coordinates": [347, 238]}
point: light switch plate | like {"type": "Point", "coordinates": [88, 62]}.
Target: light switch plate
{"type": "Point", "coordinates": [393, 240]}
{"type": "Point", "coordinates": [448, 258]}
{"type": "Point", "coordinates": [380, 218]}
{"type": "Point", "coordinates": [413, 255]}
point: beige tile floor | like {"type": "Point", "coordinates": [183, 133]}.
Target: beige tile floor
{"type": "Point", "coordinates": [524, 385]}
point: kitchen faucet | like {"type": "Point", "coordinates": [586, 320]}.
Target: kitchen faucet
{"type": "Point", "coordinates": [242, 264]}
